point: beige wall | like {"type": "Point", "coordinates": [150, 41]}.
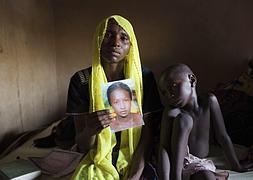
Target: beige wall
{"type": "Point", "coordinates": [28, 88]}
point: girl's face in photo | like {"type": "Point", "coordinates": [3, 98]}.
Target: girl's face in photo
{"type": "Point", "coordinates": [121, 102]}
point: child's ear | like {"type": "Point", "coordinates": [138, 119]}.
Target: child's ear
{"type": "Point", "coordinates": [193, 80]}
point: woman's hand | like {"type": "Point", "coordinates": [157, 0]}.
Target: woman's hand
{"type": "Point", "coordinates": [88, 125]}
{"type": "Point", "coordinates": [97, 121]}
{"type": "Point", "coordinates": [94, 122]}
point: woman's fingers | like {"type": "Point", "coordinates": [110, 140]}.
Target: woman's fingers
{"type": "Point", "coordinates": [100, 119]}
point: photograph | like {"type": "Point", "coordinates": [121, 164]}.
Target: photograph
{"type": "Point", "coordinates": [120, 98]}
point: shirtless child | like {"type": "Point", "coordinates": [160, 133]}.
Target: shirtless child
{"type": "Point", "coordinates": [189, 123]}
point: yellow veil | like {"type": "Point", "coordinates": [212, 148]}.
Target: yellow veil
{"type": "Point", "coordinates": [97, 164]}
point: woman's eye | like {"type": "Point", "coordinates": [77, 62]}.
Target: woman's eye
{"type": "Point", "coordinates": [124, 38]}
{"type": "Point", "coordinates": [108, 35]}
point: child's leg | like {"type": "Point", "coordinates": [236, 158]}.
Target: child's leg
{"type": "Point", "coordinates": [182, 126]}
{"type": "Point", "coordinates": [163, 165]}
{"type": "Point", "coordinates": [203, 175]}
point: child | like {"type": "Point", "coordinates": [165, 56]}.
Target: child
{"type": "Point", "coordinates": [189, 122]}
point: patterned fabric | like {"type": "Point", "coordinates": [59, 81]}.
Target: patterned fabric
{"type": "Point", "coordinates": [193, 164]}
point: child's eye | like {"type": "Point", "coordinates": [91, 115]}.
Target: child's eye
{"type": "Point", "coordinates": [174, 84]}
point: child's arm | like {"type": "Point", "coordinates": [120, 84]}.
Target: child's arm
{"type": "Point", "coordinates": [181, 128]}
{"type": "Point", "coordinates": [165, 141]}
{"type": "Point", "coordinates": [221, 134]}
{"type": "Point", "coordinates": [174, 143]}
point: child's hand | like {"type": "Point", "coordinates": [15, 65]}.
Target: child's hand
{"type": "Point", "coordinates": [246, 165]}
{"type": "Point", "coordinates": [136, 168]}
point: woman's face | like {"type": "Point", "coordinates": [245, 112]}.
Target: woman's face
{"type": "Point", "coordinates": [121, 102]}
{"type": "Point", "coordinates": [116, 43]}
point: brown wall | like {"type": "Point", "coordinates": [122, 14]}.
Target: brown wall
{"type": "Point", "coordinates": [28, 88]}
{"type": "Point", "coordinates": [214, 37]}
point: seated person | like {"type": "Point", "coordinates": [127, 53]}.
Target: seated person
{"type": "Point", "coordinates": [111, 155]}
{"type": "Point", "coordinates": [189, 123]}
{"type": "Point", "coordinates": [120, 97]}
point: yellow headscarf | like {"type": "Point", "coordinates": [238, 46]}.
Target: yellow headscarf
{"type": "Point", "coordinates": [97, 164]}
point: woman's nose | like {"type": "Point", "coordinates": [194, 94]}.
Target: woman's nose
{"type": "Point", "coordinates": [115, 41]}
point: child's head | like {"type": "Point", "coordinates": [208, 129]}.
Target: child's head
{"type": "Point", "coordinates": [119, 96]}
{"type": "Point", "coordinates": [177, 83]}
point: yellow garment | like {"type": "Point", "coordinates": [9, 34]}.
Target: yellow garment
{"type": "Point", "coordinates": [97, 164]}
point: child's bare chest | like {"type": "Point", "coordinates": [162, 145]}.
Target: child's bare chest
{"type": "Point", "coordinates": [199, 136]}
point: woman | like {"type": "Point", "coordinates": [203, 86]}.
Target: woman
{"type": "Point", "coordinates": [115, 57]}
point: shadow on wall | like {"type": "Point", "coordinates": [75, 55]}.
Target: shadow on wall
{"type": "Point", "coordinates": [7, 139]}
